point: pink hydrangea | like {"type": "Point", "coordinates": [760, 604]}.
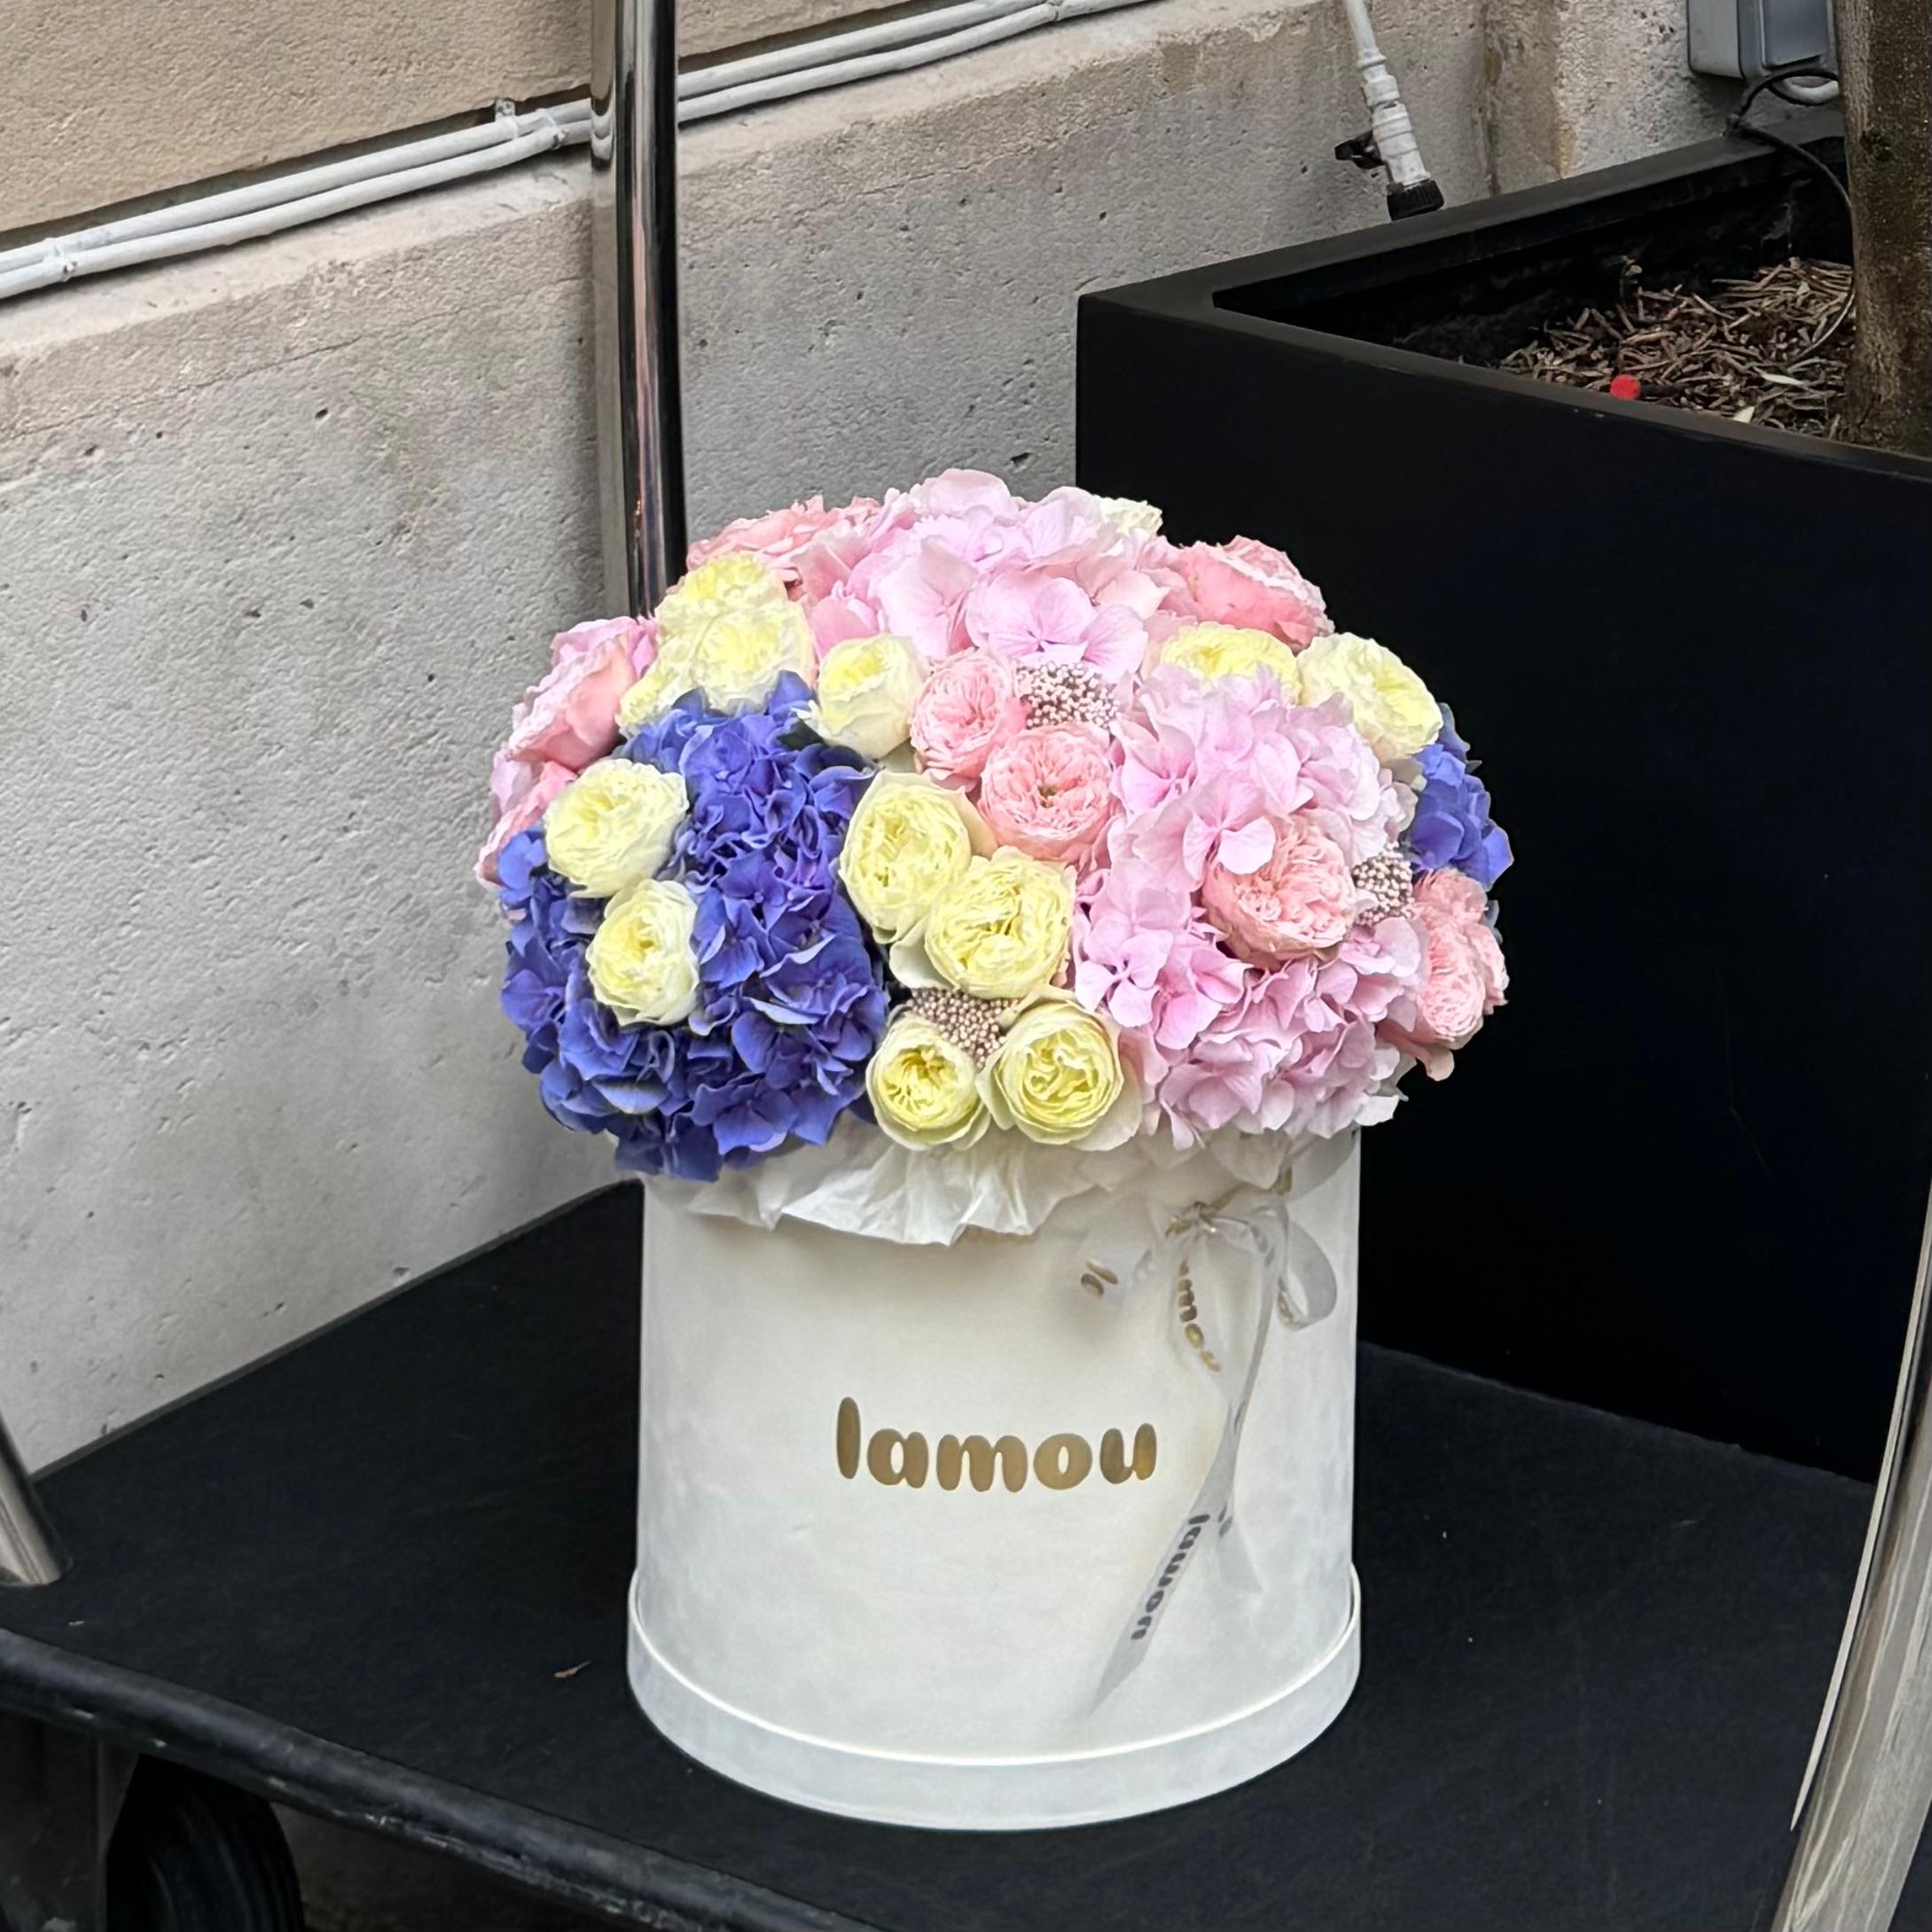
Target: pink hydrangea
{"type": "Point", "coordinates": [1206, 763]}
{"type": "Point", "coordinates": [1303, 1052]}
{"type": "Point", "coordinates": [1144, 957]}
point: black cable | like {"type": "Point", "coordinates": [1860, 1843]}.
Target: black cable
{"type": "Point", "coordinates": [1736, 124]}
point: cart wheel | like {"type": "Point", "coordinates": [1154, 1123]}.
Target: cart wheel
{"type": "Point", "coordinates": [191, 1854]}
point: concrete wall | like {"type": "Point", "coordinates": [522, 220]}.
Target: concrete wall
{"type": "Point", "coordinates": [102, 102]}
{"type": "Point", "coordinates": [282, 531]}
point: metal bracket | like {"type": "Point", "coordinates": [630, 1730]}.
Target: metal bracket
{"type": "Point", "coordinates": [60, 1793]}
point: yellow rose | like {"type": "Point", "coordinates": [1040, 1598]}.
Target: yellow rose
{"type": "Point", "coordinates": [727, 631]}
{"type": "Point", "coordinates": [1000, 930]}
{"type": "Point", "coordinates": [673, 672]}
{"type": "Point", "coordinates": [640, 959]}
{"type": "Point", "coordinates": [924, 1086]}
{"type": "Point", "coordinates": [742, 655]}
{"type": "Point", "coordinates": [733, 583]}
{"type": "Point", "coordinates": [1392, 706]}
{"type": "Point", "coordinates": [1213, 651]}
{"type": "Point", "coordinates": [866, 686]}
{"type": "Point", "coordinates": [612, 825]}
{"type": "Point", "coordinates": [1057, 1077]}
{"type": "Point", "coordinates": [908, 840]}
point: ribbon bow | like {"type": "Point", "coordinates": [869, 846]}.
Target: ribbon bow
{"type": "Point", "coordinates": [1295, 1285]}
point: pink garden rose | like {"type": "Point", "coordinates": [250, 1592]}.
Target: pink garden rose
{"type": "Point", "coordinates": [1252, 586]}
{"type": "Point", "coordinates": [782, 538]}
{"type": "Point", "coordinates": [1280, 888]}
{"type": "Point", "coordinates": [969, 706]}
{"type": "Point", "coordinates": [1046, 792]}
{"type": "Point", "coordinates": [1466, 977]}
{"type": "Point", "coordinates": [519, 794]}
{"type": "Point", "coordinates": [563, 722]}
{"type": "Point", "coordinates": [571, 717]}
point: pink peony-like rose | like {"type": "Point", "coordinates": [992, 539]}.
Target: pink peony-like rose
{"type": "Point", "coordinates": [969, 705]}
{"type": "Point", "coordinates": [1466, 977]}
{"type": "Point", "coordinates": [1279, 888]}
{"type": "Point", "coordinates": [638, 635]}
{"type": "Point", "coordinates": [782, 538]}
{"type": "Point", "coordinates": [1301, 1051]}
{"type": "Point", "coordinates": [1046, 792]}
{"type": "Point", "coordinates": [571, 717]}
{"type": "Point", "coordinates": [1252, 586]}
{"type": "Point", "coordinates": [519, 794]}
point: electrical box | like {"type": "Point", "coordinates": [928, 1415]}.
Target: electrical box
{"type": "Point", "coordinates": [1745, 38]}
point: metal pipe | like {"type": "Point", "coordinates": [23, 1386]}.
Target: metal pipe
{"type": "Point", "coordinates": [30, 1553]}
{"type": "Point", "coordinates": [1862, 1815]}
{"type": "Point", "coordinates": [634, 163]}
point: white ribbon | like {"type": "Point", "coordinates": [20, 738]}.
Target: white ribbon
{"type": "Point", "coordinates": [1294, 1284]}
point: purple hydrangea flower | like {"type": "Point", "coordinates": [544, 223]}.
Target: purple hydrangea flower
{"type": "Point", "coordinates": [793, 996]}
{"type": "Point", "coordinates": [1453, 825]}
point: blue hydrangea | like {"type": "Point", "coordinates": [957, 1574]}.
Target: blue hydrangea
{"type": "Point", "coordinates": [1453, 825]}
{"type": "Point", "coordinates": [791, 994]}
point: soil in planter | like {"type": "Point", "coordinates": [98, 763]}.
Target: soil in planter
{"type": "Point", "coordinates": [1770, 348]}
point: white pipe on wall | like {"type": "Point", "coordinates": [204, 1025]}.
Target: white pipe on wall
{"type": "Point", "coordinates": [271, 205]}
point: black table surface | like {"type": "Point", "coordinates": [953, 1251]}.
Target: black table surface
{"type": "Point", "coordinates": [382, 1577]}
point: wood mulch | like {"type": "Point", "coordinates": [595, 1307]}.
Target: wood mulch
{"type": "Point", "coordinates": [1770, 349]}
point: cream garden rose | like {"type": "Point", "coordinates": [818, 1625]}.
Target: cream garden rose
{"type": "Point", "coordinates": [728, 631]}
{"type": "Point", "coordinates": [924, 1086]}
{"type": "Point", "coordinates": [640, 959]}
{"type": "Point", "coordinates": [1057, 1077]}
{"type": "Point", "coordinates": [613, 824]}
{"type": "Point", "coordinates": [908, 840]}
{"type": "Point", "coordinates": [999, 931]}
{"type": "Point", "coordinates": [1212, 652]}
{"type": "Point", "coordinates": [1392, 707]}
{"type": "Point", "coordinates": [866, 691]}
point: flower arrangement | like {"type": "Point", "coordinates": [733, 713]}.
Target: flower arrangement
{"type": "Point", "coordinates": [984, 821]}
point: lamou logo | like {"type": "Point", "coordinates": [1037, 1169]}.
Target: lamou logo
{"type": "Point", "coordinates": [1061, 1462]}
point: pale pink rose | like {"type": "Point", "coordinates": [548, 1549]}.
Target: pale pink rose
{"type": "Point", "coordinates": [571, 717]}
{"type": "Point", "coordinates": [1279, 888]}
{"type": "Point", "coordinates": [970, 704]}
{"type": "Point", "coordinates": [638, 635]}
{"type": "Point", "coordinates": [1465, 979]}
{"type": "Point", "coordinates": [783, 536]}
{"type": "Point", "coordinates": [1046, 792]}
{"type": "Point", "coordinates": [520, 796]}
{"type": "Point", "coordinates": [1252, 586]}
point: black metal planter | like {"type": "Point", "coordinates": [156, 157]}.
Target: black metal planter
{"type": "Point", "coordinates": [1697, 1145]}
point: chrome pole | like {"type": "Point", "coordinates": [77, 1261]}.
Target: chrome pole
{"type": "Point", "coordinates": [1862, 1814]}
{"type": "Point", "coordinates": [634, 166]}
{"type": "Point", "coordinates": [29, 1551]}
